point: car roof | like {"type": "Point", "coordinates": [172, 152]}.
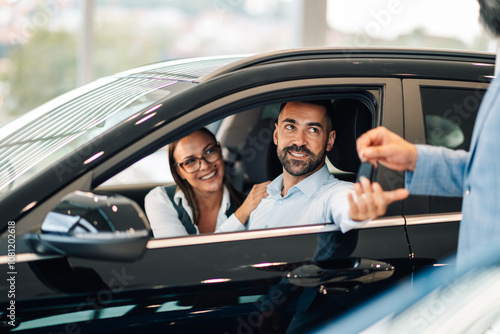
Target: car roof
{"type": "Point", "coordinates": [189, 69]}
{"type": "Point", "coordinates": [343, 53]}
{"type": "Point", "coordinates": [203, 69]}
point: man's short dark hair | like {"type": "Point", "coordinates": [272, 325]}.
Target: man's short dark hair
{"type": "Point", "coordinates": [327, 104]}
{"type": "Point", "coordinates": [489, 16]}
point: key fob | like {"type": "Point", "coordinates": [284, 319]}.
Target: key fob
{"type": "Point", "coordinates": [365, 169]}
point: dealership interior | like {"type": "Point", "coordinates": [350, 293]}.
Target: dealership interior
{"type": "Point", "coordinates": [98, 38]}
{"type": "Point", "coordinates": [249, 166]}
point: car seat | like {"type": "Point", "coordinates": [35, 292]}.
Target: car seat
{"type": "Point", "coordinates": [353, 118]}
{"type": "Point", "coordinates": [258, 153]}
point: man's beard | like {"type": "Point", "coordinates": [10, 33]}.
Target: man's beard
{"type": "Point", "coordinates": [300, 167]}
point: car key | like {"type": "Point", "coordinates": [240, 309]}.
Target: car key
{"type": "Point", "coordinates": [365, 169]}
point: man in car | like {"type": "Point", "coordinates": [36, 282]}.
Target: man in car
{"type": "Point", "coordinates": [306, 192]}
{"type": "Point", "coordinates": [440, 171]}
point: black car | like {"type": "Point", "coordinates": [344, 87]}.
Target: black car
{"type": "Point", "coordinates": [77, 249]}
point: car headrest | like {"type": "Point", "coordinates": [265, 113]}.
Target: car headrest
{"type": "Point", "coordinates": [353, 118]}
{"type": "Point", "coordinates": [259, 156]}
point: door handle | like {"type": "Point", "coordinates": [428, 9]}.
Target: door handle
{"type": "Point", "coordinates": [340, 272]}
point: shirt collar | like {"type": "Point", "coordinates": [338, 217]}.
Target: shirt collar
{"type": "Point", "coordinates": [274, 188]}
{"type": "Point", "coordinates": [308, 186]}
{"type": "Point", "coordinates": [179, 195]}
{"type": "Point", "coordinates": [226, 200]}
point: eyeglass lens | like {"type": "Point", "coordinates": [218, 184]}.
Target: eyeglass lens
{"type": "Point", "coordinates": [211, 155]}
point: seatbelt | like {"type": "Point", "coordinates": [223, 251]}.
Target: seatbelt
{"type": "Point", "coordinates": [181, 212]}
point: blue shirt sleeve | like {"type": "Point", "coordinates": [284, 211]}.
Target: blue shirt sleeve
{"type": "Point", "coordinates": [439, 172]}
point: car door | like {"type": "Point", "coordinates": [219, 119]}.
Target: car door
{"type": "Point", "coordinates": [438, 113]}
{"type": "Point", "coordinates": [234, 282]}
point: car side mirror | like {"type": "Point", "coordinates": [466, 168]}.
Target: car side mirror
{"type": "Point", "coordinates": [91, 226]}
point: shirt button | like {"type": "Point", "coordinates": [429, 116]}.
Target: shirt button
{"type": "Point", "coordinates": [280, 202]}
{"type": "Point", "coordinates": [467, 192]}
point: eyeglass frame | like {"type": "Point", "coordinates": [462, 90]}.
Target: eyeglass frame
{"type": "Point", "coordinates": [216, 146]}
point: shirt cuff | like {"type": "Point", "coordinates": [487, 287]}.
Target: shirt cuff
{"type": "Point", "coordinates": [422, 158]}
{"type": "Point", "coordinates": [408, 179]}
{"type": "Point", "coordinates": [232, 224]}
{"type": "Point", "coordinates": [348, 224]}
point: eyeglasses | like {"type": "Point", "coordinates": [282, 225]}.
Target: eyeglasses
{"type": "Point", "coordinates": [193, 164]}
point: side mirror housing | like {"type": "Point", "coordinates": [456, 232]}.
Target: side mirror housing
{"type": "Point", "coordinates": [91, 226]}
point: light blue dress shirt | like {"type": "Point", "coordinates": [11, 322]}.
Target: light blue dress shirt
{"type": "Point", "coordinates": [475, 175]}
{"type": "Point", "coordinates": [319, 198]}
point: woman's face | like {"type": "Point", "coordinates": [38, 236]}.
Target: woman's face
{"type": "Point", "coordinates": [210, 176]}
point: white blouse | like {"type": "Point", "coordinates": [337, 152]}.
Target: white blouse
{"type": "Point", "coordinates": [163, 217]}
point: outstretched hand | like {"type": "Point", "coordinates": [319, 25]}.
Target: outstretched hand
{"type": "Point", "coordinates": [371, 201]}
{"type": "Point", "coordinates": [380, 145]}
{"type": "Point", "coordinates": [258, 192]}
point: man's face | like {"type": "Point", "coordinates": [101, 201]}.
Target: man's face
{"type": "Point", "coordinates": [302, 138]}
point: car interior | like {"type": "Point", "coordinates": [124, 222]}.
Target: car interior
{"type": "Point", "coordinates": [249, 152]}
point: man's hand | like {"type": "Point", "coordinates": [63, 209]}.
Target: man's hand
{"type": "Point", "coordinates": [380, 145]}
{"type": "Point", "coordinates": [371, 201]}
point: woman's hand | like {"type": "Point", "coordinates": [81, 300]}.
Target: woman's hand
{"type": "Point", "coordinates": [258, 192]}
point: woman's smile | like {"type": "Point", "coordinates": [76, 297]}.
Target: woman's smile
{"type": "Point", "coordinates": [209, 176]}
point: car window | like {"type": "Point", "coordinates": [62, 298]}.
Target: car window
{"type": "Point", "coordinates": [233, 132]}
{"type": "Point", "coordinates": [249, 152]}
{"type": "Point", "coordinates": [449, 115]}
{"type": "Point", "coordinates": [151, 169]}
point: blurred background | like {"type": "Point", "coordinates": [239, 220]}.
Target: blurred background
{"type": "Point", "coordinates": [48, 47]}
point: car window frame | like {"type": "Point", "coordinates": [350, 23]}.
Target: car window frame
{"type": "Point", "coordinates": [387, 86]}
{"type": "Point", "coordinates": [389, 114]}
{"type": "Point", "coordinates": [413, 112]}
{"type": "Point", "coordinates": [414, 131]}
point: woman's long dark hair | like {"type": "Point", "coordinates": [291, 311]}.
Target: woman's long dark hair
{"type": "Point", "coordinates": [235, 196]}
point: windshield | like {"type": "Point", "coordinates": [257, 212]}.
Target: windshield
{"type": "Point", "coordinates": [40, 138]}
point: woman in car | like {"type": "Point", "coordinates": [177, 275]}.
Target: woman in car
{"type": "Point", "coordinates": [203, 198]}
